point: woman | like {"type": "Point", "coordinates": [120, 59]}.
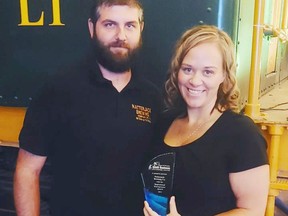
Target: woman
{"type": "Point", "coordinates": [221, 163]}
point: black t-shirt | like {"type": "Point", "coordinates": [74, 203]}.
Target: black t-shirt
{"type": "Point", "coordinates": [201, 183]}
{"type": "Point", "coordinates": [95, 138]}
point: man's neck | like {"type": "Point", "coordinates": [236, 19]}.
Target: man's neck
{"type": "Point", "coordinates": [119, 80]}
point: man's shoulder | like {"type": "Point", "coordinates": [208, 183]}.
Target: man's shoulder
{"type": "Point", "coordinates": [68, 75]}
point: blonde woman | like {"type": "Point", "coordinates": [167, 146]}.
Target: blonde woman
{"type": "Point", "coordinates": [221, 163]}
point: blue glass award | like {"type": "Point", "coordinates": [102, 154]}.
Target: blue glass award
{"type": "Point", "coordinates": [157, 178]}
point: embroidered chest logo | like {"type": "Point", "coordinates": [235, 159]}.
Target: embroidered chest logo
{"type": "Point", "coordinates": [142, 113]}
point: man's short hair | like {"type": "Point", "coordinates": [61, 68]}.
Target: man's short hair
{"type": "Point", "coordinates": [95, 12]}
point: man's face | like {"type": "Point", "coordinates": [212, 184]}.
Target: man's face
{"type": "Point", "coordinates": [116, 36]}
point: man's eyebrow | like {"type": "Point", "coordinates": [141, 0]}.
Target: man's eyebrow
{"type": "Point", "coordinates": [108, 20]}
{"type": "Point", "coordinates": [133, 21]}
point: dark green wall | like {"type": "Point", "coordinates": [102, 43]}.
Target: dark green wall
{"type": "Point", "coordinates": [28, 54]}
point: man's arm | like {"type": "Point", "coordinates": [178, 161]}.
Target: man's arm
{"type": "Point", "coordinates": [26, 183]}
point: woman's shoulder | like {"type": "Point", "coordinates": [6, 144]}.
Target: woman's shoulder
{"type": "Point", "coordinates": [239, 118]}
{"type": "Point", "coordinates": [239, 121]}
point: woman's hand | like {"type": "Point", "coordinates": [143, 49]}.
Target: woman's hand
{"type": "Point", "coordinates": [172, 204]}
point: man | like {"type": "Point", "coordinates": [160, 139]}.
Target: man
{"type": "Point", "coordinates": [94, 122]}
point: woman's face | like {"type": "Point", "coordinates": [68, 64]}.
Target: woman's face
{"type": "Point", "coordinates": [200, 75]}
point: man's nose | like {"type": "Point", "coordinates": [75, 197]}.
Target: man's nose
{"type": "Point", "coordinates": [121, 34]}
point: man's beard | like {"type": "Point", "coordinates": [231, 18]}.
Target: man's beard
{"type": "Point", "coordinates": [115, 62]}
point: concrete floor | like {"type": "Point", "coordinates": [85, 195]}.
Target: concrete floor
{"type": "Point", "coordinates": [274, 104]}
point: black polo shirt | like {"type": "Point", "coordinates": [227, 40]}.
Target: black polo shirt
{"type": "Point", "coordinates": [96, 139]}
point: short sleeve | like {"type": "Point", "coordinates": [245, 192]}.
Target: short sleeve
{"type": "Point", "coordinates": [39, 125]}
{"type": "Point", "coordinates": [249, 149]}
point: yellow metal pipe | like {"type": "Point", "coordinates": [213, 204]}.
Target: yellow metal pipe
{"type": "Point", "coordinates": [284, 15]}
{"type": "Point", "coordinates": [276, 131]}
{"type": "Point", "coordinates": [252, 107]}
{"type": "Point", "coordinates": [270, 207]}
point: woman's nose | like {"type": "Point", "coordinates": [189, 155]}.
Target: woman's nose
{"type": "Point", "coordinates": [195, 79]}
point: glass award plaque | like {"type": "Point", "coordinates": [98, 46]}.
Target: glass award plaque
{"type": "Point", "coordinates": [157, 179]}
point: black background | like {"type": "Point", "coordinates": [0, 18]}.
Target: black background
{"type": "Point", "coordinates": [28, 54]}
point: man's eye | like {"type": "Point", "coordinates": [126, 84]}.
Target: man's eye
{"type": "Point", "coordinates": [108, 25]}
{"type": "Point", "coordinates": [130, 26]}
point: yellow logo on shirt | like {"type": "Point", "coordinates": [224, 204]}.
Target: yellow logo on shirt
{"type": "Point", "coordinates": [142, 113]}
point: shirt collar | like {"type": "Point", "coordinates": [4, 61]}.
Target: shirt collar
{"type": "Point", "coordinates": [95, 75]}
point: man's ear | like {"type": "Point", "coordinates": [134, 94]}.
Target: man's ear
{"type": "Point", "coordinates": [91, 27]}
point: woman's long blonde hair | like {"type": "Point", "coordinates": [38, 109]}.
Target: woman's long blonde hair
{"type": "Point", "coordinates": [228, 93]}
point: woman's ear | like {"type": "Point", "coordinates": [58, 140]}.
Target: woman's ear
{"type": "Point", "coordinates": [141, 26]}
{"type": "Point", "coordinates": [224, 76]}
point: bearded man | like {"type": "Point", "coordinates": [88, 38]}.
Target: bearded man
{"type": "Point", "coordinates": [95, 122]}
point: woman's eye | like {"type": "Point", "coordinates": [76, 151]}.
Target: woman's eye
{"type": "Point", "coordinates": [208, 72]}
{"type": "Point", "coordinates": [186, 69]}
